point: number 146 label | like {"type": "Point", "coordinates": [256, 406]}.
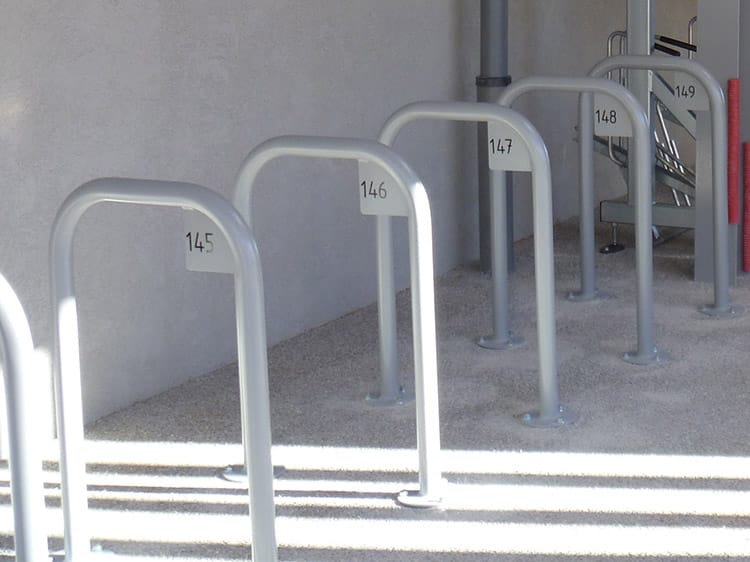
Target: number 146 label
{"type": "Point", "coordinates": [378, 192]}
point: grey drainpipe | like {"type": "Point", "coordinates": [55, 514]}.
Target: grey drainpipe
{"type": "Point", "coordinates": [492, 79]}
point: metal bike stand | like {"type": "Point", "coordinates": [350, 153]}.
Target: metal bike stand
{"type": "Point", "coordinates": [504, 127]}
{"type": "Point", "coordinates": [405, 195]}
{"type": "Point", "coordinates": [717, 107]}
{"type": "Point", "coordinates": [25, 459]}
{"type": "Point", "coordinates": [625, 101]}
{"type": "Point", "coordinates": [251, 346]}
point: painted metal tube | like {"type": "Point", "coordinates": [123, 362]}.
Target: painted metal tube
{"type": "Point", "coordinates": [746, 207]}
{"type": "Point", "coordinates": [494, 75]}
{"type": "Point", "coordinates": [646, 349]}
{"type": "Point", "coordinates": [718, 110]}
{"type": "Point", "coordinates": [26, 480]}
{"type": "Point", "coordinates": [586, 201]}
{"type": "Point", "coordinates": [422, 275]}
{"type": "Point", "coordinates": [251, 344]}
{"type": "Point", "coordinates": [550, 409]}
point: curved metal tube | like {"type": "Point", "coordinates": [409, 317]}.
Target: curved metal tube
{"type": "Point", "coordinates": [718, 110]}
{"type": "Point", "coordinates": [549, 407]}
{"type": "Point", "coordinates": [26, 480]}
{"type": "Point", "coordinates": [422, 274]}
{"type": "Point", "coordinates": [251, 347]}
{"type": "Point", "coordinates": [646, 351]}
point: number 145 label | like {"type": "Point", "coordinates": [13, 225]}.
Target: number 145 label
{"type": "Point", "coordinates": [206, 249]}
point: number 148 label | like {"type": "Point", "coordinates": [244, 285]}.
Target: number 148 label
{"type": "Point", "coordinates": [610, 117]}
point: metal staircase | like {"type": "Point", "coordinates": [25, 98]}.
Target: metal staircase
{"type": "Point", "coordinates": [675, 179]}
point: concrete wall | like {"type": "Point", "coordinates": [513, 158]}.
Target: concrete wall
{"type": "Point", "coordinates": [183, 90]}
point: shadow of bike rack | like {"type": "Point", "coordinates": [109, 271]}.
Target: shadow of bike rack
{"type": "Point", "coordinates": [26, 481]}
{"type": "Point", "coordinates": [513, 144]}
{"type": "Point", "coordinates": [619, 102]}
{"type": "Point", "coordinates": [251, 345]}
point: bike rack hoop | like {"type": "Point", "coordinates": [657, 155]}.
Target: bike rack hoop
{"type": "Point", "coordinates": [251, 342]}
{"type": "Point", "coordinates": [417, 210]}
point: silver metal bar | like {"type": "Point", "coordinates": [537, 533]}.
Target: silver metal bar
{"type": "Point", "coordinates": [640, 30]}
{"type": "Point", "coordinates": [718, 111]}
{"type": "Point", "coordinates": [251, 345]}
{"type": "Point", "coordinates": [550, 410]}
{"type": "Point", "coordinates": [26, 480]}
{"type": "Point", "coordinates": [422, 274]}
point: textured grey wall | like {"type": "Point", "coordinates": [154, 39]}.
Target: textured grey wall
{"type": "Point", "coordinates": [183, 90]}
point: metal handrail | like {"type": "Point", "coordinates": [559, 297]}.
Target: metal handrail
{"type": "Point", "coordinates": [25, 458]}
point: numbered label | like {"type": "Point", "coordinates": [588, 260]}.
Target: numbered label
{"type": "Point", "coordinates": [689, 93]}
{"type": "Point", "coordinates": [206, 249]}
{"type": "Point", "coordinates": [378, 192]}
{"type": "Point", "coordinates": [506, 150]}
{"type": "Point", "coordinates": [610, 117]}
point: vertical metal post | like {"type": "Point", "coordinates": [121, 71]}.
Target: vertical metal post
{"type": "Point", "coordinates": [586, 227]}
{"type": "Point", "coordinates": [251, 344]}
{"type": "Point", "coordinates": [640, 41]}
{"type": "Point", "coordinates": [719, 33]}
{"type": "Point", "coordinates": [26, 482]}
{"type": "Point", "coordinates": [502, 337]}
{"type": "Point", "coordinates": [494, 76]}
{"type": "Point", "coordinates": [391, 391]}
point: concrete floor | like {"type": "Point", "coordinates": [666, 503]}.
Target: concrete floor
{"type": "Point", "coordinates": [656, 468]}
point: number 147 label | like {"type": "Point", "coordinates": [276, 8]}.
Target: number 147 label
{"type": "Point", "coordinates": [506, 150]}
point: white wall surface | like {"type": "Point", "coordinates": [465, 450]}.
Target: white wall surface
{"type": "Point", "coordinates": [182, 90]}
